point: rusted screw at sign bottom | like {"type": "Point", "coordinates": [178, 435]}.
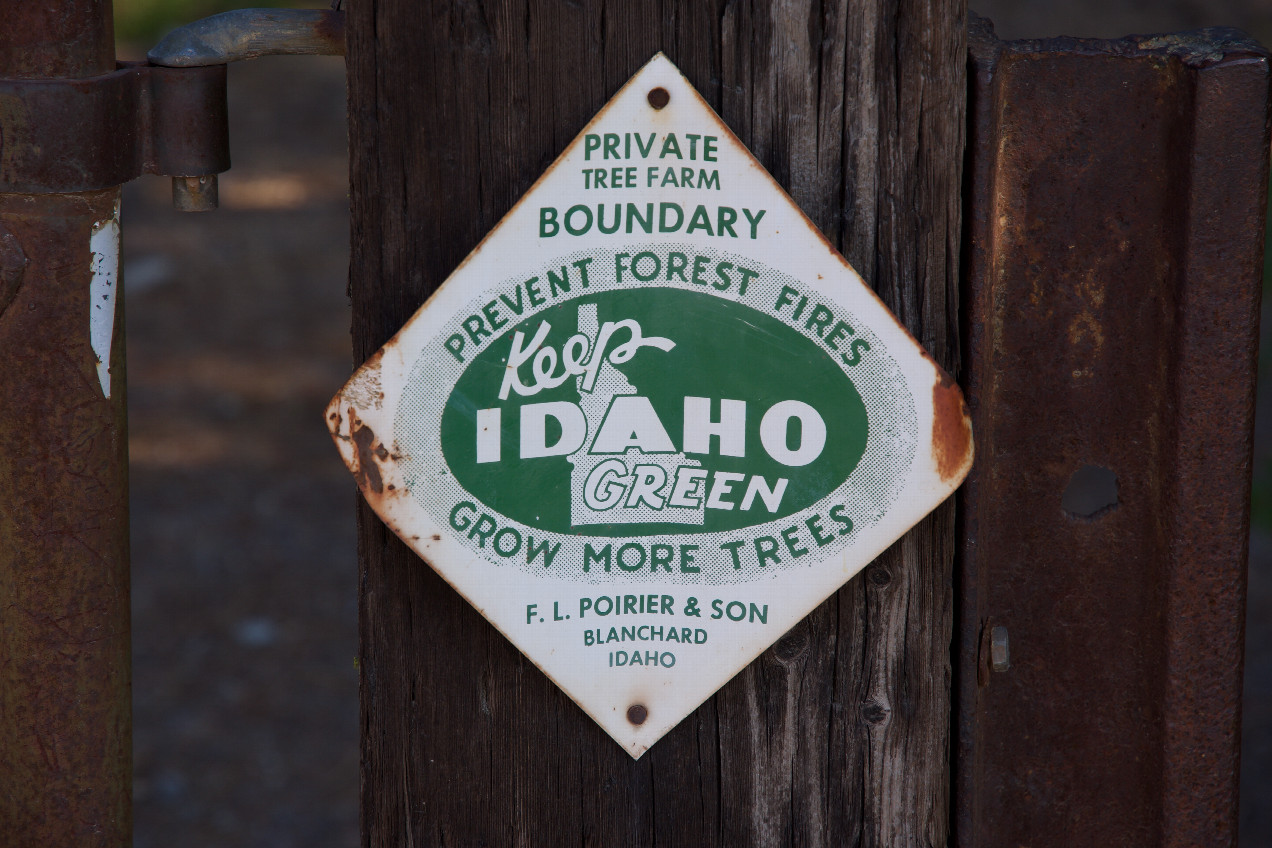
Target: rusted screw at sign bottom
{"type": "Point", "coordinates": [637, 713]}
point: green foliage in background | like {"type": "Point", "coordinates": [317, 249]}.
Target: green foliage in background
{"type": "Point", "coordinates": [146, 21]}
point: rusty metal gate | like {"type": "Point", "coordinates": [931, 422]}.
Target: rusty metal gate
{"type": "Point", "coordinates": [1115, 251]}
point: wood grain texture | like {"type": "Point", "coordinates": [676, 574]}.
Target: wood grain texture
{"type": "Point", "coordinates": [838, 735]}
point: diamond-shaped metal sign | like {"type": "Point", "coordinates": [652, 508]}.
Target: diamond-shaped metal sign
{"type": "Point", "coordinates": [654, 419]}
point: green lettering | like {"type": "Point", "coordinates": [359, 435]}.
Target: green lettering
{"type": "Point", "coordinates": [792, 544]}
{"type": "Point", "coordinates": [766, 549]}
{"type": "Point", "coordinates": [646, 222]}
{"type": "Point", "coordinates": [548, 226]}
{"type": "Point", "coordinates": [726, 217]}
{"type": "Point", "coordinates": [676, 264]}
{"type": "Point", "coordinates": [699, 268]}
{"type": "Point", "coordinates": [548, 553]}
{"type": "Point", "coordinates": [699, 221]}
{"type": "Point", "coordinates": [581, 265]}
{"type": "Point", "coordinates": [482, 529]}
{"type": "Point", "coordinates": [839, 331]}
{"type": "Point", "coordinates": [570, 216]}
{"type": "Point", "coordinates": [600, 218]}
{"type": "Point", "coordinates": [476, 328]}
{"type": "Point", "coordinates": [844, 522]}
{"type": "Point", "coordinates": [590, 556]}
{"type": "Point", "coordinates": [686, 567]}
{"type": "Point", "coordinates": [663, 209]}
{"type": "Point", "coordinates": [627, 564]}
{"type": "Point", "coordinates": [818, 319]}
{"type": "Point", "coordinates": [853, 356]}
{"type": "Point", "coordinates": [721, 272]}
{"type": "Point", "coordinates": [491, 311]}
{"type": "Point", "coordinates": [514, 305]}
{"type": "Point", "coordinates": [814, 526]}
{"type": "Point", "coordinates": [754, 221]}
{"type": "Point", "coordinates": [561, 282]}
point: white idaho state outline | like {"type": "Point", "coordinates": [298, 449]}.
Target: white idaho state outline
{"type": "Point", "coordinates": [611, 382]}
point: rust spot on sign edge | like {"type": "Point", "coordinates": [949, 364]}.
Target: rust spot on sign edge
{"type": "Point", "coordinates": [951, 429]}
{"type": "Point", "coordinates": [367, 452]}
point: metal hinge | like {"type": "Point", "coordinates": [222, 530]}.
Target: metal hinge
{"type": "Point", "coordinates": [167, 116]}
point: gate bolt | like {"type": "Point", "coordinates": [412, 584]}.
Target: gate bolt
{"type": "Point", "coordinates": [233, 37]}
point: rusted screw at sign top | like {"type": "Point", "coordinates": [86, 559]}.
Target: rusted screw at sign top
{"type": "Point", "coordinates": [999, 649]}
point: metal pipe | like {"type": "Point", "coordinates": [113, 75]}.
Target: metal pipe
{"type": "Point", "coordinates": [65, 675]}
{"type": "Point", "coordinates": [250, 33]}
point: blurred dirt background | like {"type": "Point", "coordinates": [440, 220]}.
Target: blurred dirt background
{"type": "Point", "coordinates": [244, 597]}
{"type": "Point", "coordinates": [244, 590]}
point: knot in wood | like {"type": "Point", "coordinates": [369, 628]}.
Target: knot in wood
{"type": "Point", "coordinates": [875, 713]}
{"type": "Point", "coordinates": [794, 644]}
{"type": "Point", "coordinates": [878, 576]}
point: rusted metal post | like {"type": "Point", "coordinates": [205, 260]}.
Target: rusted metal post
{"type": "Point", "coordinates": [65, 713]}
{"type": "Point", "coordinates": [1115, 244]}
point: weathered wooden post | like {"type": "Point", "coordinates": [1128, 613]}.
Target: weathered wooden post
{"type": "Point", "coordinates": [840, 733]}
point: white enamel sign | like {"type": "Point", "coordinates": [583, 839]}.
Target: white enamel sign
{"type": "Point", "coordinates": [653, 420]}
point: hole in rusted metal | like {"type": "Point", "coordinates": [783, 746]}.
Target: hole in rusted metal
{"type": "Point", "coordinates": [1092, 491]}
{"type": "Point", "coordinates": [658, 98]}
{"type": "Point", "coordinates": [637, 713]}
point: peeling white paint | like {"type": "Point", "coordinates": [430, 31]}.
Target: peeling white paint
{"type": "Point", "coordinates": [104, 245]}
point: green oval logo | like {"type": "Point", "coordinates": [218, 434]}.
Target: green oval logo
{"type": "Point", "coordinates": [646, 411]}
